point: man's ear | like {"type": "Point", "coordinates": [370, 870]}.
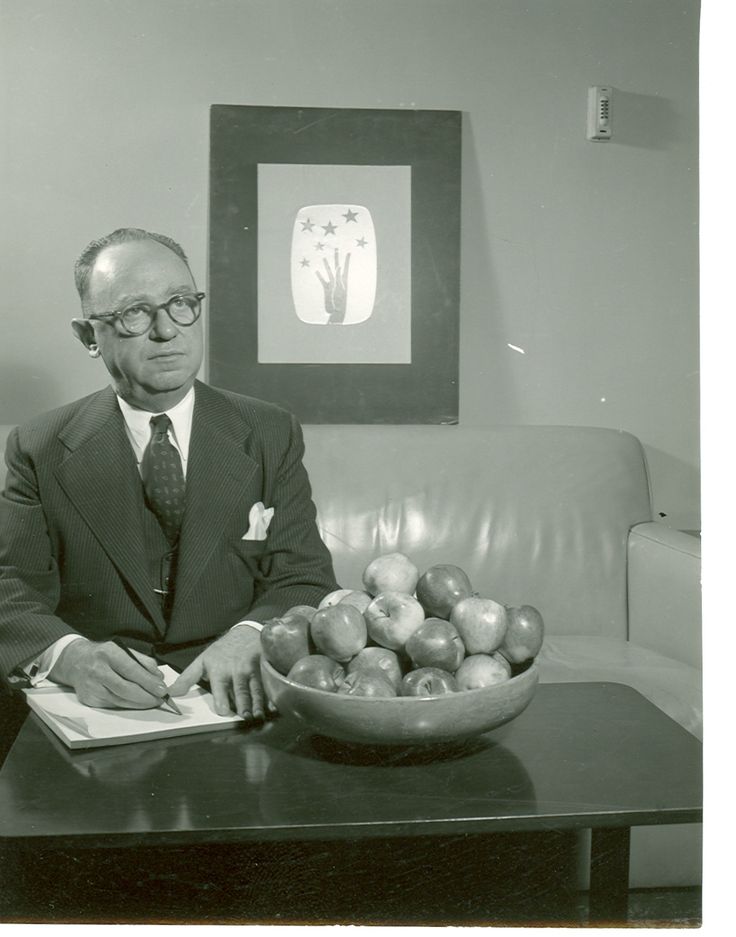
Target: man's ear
{"type": "Point", "coordinates": [85, 332]}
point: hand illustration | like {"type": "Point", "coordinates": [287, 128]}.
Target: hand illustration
{"type": "Point", "coordinates": [336, 289]}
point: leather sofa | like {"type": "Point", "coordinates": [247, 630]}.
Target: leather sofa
{"type": "Point", "coordinates": [552, 516]}
{"type": "Point", "coordinates": [557, 517]}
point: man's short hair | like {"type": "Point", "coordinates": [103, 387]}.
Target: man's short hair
{"type": "Point", "coordinates": [87, 259]}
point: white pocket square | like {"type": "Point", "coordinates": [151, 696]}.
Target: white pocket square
{"type": "Point", "coordinates": [259, 519]}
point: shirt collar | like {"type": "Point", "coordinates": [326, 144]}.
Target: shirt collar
{"type": "Point", "coordinates": [138, 422]}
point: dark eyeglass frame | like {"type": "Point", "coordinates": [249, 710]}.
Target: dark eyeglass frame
{"type": "Point", "coordinates": [152, 310]}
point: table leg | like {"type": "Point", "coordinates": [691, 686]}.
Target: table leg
{"type": "Point", "coordinates": [609, 874]}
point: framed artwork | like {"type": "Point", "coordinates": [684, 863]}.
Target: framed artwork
{"type": "Point", "coordinates": [334, 261]}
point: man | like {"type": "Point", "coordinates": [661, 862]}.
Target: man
{"type": "Point", "coordinates": [178, 534]}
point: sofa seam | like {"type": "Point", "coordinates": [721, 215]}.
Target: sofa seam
{"type": "Point", "coordinates": [668, 546]}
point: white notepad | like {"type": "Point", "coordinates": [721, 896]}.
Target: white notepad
{"type": "Point", "coordinates": [80, 726]}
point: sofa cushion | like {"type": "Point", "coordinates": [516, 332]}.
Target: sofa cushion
{"type": "Point", "coordinates": [535, 515]}
{"type": "Point", "coordinates": [664, 592]}
{"type": "Point", "coordinates": [672, 686]}
{"type": "Point", "coordinates": [665, 856]}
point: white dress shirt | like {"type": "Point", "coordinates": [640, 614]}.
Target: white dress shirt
{"type": "Point", "coordinates": [138, 431]}
{"type": "Point", "coordinates": [138, 427]}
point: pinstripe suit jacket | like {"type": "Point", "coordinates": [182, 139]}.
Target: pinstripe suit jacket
{"type": "Point", "coordinates": [71, 535]}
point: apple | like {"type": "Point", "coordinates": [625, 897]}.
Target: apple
{"type": "Point", "coordinates": [318, 671]}
{"type": "Point", "coordinates": [339, 631]}
{"type": "Point", "coordinates": [380, 659]}
{"type": "Point", "coordinates": [332, 598]}
{"type": "Point", "coordinates": [498, 656]}
{"type": "Point", "coordinates": [436, 643]}
{"type": "Point", "coordinates": [481, 623]}
{"type": "Point", "coordinates": [392, 618]}
{"type": "Point", "coordinates": [367, 683]}
{"type": "Point", "coordinates": [306, 610]}
{"type": "Point", "coordinates": [480, 670]}
{"type": "Point", "coordinates": [391, 572]}
{"type": "Point", "coordinates": [524, 634]}
{"type": "Point", "coordinates": [428, 681]}
{"type": "Point", "coordinates": [361, 600]}
{"type": "Point", "coordinates": [440, 588]}
{"type": "Point", "coordinates": [285, 640]}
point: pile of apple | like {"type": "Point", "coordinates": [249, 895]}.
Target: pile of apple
{"type": "Point", "coordinates": [405, 634]}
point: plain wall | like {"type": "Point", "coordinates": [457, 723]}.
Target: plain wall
{"type": "Point", "coordinates": [581, 255]}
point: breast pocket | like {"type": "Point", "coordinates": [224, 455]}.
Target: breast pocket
{"type": "Point", "coordinates": [249, 547]}
{"type": "Point", "coordinates": [246, 556]}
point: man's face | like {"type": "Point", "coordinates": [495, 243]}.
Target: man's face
{"type": "Point", "coordinates": [155, 370]}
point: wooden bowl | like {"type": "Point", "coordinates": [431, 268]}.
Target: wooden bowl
{"type": "Point", "coordinates": [402, 720]}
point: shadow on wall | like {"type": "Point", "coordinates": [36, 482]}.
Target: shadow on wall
{"type": "Point", "coordinates": [643, 120]}
{"type": "Point", "coordinates": [24, 394]}
{"type": "Point", "coordinates": [483, 337]}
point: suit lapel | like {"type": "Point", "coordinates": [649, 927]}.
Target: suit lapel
{"type": "Point", "coordinates": [100, 477]}
{"type": "Point", "coordinates": [218, 472]}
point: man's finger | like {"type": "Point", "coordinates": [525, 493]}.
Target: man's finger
{"type": "Point", "coordinates": [110, 700]}
{"type": "Point", "coordinates": [110, 691]}
{"type": "Point", "coordinates": [148, 662]}
{"type": "Point", "coordinates": [257, 696]}
{"type": "Point", "coordinates": [130, 693]}
{"type": "Point", "coordinates": [130, 671]}
{"type": "Point", "coordinates": [242, 697]}
{"type": "Point", "coordinates": [188, 677]}
{"type": "Point", "coordinates": [220, 688]}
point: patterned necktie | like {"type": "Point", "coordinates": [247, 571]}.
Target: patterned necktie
{"type": "Point", "coordinates": [163, 479]}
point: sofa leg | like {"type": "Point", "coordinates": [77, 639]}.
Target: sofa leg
{"type": "Point", "coordinates": [609, 875]}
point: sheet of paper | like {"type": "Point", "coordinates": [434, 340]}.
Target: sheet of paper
{"type": "Point", "coordinates": [82, 721]}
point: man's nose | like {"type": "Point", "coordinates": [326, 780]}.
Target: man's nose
{"type": "Point", "coordinates": [162, 328]}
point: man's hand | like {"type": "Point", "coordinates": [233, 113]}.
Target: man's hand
{"type": "Point", "coordinates": [230, 666]}
{"type": "Point", "coordinates": [104, 676]}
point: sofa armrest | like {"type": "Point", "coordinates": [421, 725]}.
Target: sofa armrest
{"type": "Point", "coordinates": [664, 596]}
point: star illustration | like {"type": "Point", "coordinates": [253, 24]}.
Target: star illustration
{"type": "Point", "coordinates": [304, 262]}
{"type": "Point", "coordinates": [329, 228]}
{"type": "Point", "coordinates": [361, 242]}
{"type": "Point", "coordinates": [319, 246]}
{"type": "Point", "coordinates": [350, 215]}
{"type": "Point", "coordinates": [307, 225]}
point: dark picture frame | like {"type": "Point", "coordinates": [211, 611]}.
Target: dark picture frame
{"type": "Point", "coordinates": [422, 389]}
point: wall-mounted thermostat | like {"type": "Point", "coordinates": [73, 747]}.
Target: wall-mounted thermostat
{"type": "Point", "coordinates": [599, 112]}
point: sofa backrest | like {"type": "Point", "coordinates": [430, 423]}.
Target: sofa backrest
{"type": "Point", "coordinates": [535, 515]}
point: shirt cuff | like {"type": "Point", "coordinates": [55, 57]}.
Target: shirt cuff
{"type": "Point", "coordinates": [39, 669]}
{"type": "Point", "coordinates": [252, 624]}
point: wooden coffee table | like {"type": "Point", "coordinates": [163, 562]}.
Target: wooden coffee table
{"type": "Point", "coordinates": [583, 756]}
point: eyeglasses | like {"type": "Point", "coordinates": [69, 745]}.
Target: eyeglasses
{"type": "Point", "coordinates": [183, 309]}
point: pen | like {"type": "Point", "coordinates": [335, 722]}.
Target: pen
{"type": "Point", "coordinates": [164, 699]}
